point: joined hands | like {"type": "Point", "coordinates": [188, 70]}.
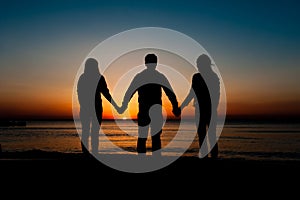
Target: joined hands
{"type": "Point", "coordinates": [176, 111]}
{"type": "Point", "coordinates": [121, 109]}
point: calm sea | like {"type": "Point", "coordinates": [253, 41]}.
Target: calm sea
{"type": "Point", "coordinates": [250, 141]}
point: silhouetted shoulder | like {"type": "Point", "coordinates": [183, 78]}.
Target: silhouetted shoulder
{"type": "Point", "coordinates": [160, 76]}
{"type": "Point", "coordinates": [102, 82]}
{"type": "Point", "coordinates": [140, 74]}
{"type": "Point", "coordinates": [197, 79]}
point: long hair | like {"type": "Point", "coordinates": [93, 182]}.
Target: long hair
{"type": "Point", "coordinates": [91, 67]}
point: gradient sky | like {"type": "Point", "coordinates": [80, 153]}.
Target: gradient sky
{"type": "Point", "coordinates": [256, 45]}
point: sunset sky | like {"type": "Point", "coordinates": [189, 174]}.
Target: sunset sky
{"type": "Point", "coordinates": [255, 44]}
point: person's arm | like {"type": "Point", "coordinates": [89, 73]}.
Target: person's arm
{"type": "Point", "coordinates": [128, 95]}
{"type": "Point", "coordinates": [79, 85]}
{"type": "Point", "coordinates": [105, 91]}
{"type": "Point", "coordinates": [172, 97]}
{"type": "Point", "coordinates": [83, 91]}
{"type": "Point", "coordinates": [191, 94]}
{"type": "Point", "coordinates": [187, 99]}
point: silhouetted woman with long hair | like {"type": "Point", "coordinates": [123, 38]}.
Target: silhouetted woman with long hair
{"type": "Point", "coordinates": [206, 94]}
{"type": "Point", "coordinates": [89, 88]}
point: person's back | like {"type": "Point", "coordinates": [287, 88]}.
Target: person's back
{"type": "Point", "coordinates": [208, 95]}
{"type": "Point", "coordinates": [89, 88]}
{"type": "Point", "coordinates": [203, 97]}
{"type": "Point", "coordinates": [150, 92]}
{"type": "Point", "coordinates": [149, 84]}
{"type": "Point", "coordinates": [214, 84]}
{"type": "Point", "coordinates": [205, 91]}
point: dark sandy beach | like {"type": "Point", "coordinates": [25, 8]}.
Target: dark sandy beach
{"type": "Point", "coordinates": [18, 163]}
{"type": "Point", "coordinates": [71, 173]}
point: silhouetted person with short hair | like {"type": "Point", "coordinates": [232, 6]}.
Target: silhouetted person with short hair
{"type": "Point", "coordinates": [206, 102]}
{"type": "Point", "coordinates": [149, 84]}
{"type": "Point", "coordinates": [89, 88]}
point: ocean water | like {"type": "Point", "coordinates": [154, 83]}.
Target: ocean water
{"type": "Point", "coordinates": [249, 141]}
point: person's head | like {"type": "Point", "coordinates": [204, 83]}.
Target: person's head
{"type": "Point", "coordinates": [91, 67]}
{"type": "Point", "coordinates": [151, 61]}
{"type": "Point", "coordinates": [204, 63]}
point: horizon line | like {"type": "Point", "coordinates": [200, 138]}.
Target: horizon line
{"type": "Point", "coordinates": [227, 118]}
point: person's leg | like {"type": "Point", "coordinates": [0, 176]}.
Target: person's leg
{"type": "Point", "coordinates": [142, 139]}
{"type": "Point", "coordinates": [143, 129]}
{"type": "Point", "coordinates": [85, 130]}
{"type": "Point", "coordinates": [96, 121]}
{"type": "Point", "coordinates": [212, 135]}
{"type": "Point", "coordinates": [203, 149]}
{"type": "Point", "coordinates": [201, 130]}
{"type": "Point", "coordinates": [156, 144]}
{"type": "Point", "coordinates": [156, 141]}
{"type": "Point", "coordinates": [156, 130]}
{"type": "Point", "coordinates": [215, 151]}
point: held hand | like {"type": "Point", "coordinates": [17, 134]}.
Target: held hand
{"type": "Point", "coordinates": [121, 109]}
{"type": "Point", "coordinates": [118, 109]}
{"type": "Point", "coordinates": [181, 107]}
{"type": "Point", "coordinates": [114, 104]}
{"type": "Point", "coordinates": [176, 111]}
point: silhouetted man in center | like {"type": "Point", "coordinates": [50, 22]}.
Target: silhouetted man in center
{"type": "Point", "coordinates": [149, 84]}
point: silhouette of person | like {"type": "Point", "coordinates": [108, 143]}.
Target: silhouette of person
{"type": "Point", "coordinates": [149, 84]}
{"type": "Point", "coordinates": [89, 88]}
{"type": "Point", "coordinates": [206, 102]}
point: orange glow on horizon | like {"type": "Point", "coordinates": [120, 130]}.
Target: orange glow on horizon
{"type": "Point", "coordinates": [42, 98]}
{"type": "Point", "coordinates": [62, 109]}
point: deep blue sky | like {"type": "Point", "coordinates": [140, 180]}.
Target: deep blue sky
{"type": "Point", "coordinates": [254, 43]}
{"type": "Point", "coordinates": [254, 27]}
